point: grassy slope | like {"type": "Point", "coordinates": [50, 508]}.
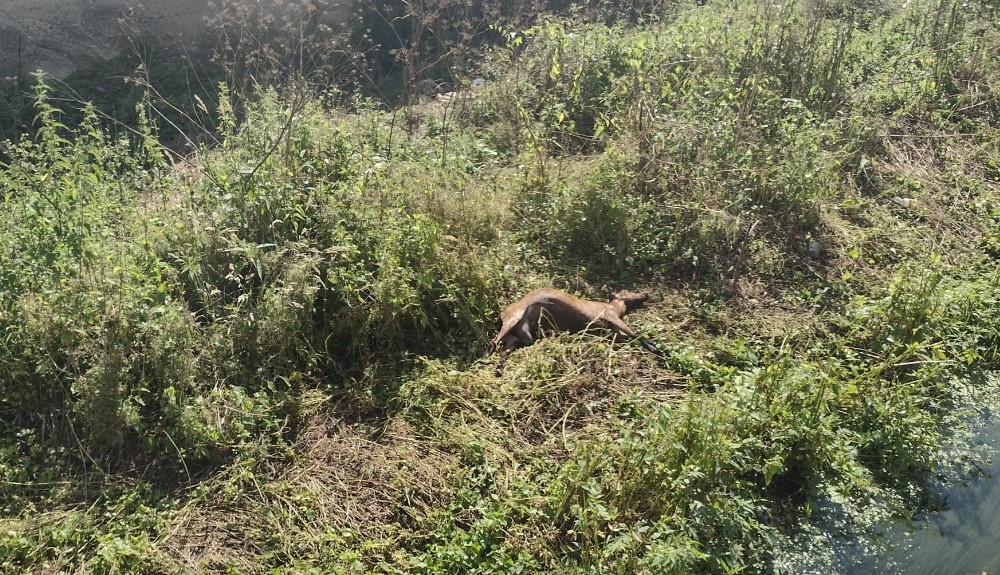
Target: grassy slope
{"type": "Point", "coordinates": [268, 360]}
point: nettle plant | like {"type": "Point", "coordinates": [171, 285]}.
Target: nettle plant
{"type": "Point", "coordinates": [80, 279]}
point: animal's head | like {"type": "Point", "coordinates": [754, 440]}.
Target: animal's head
{"type": "Point", "coordinates": [631, 299]}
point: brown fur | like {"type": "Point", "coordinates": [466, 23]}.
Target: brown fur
{"type": "Point", "coordinates": [551, 308]}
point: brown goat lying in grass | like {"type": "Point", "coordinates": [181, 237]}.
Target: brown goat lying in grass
{"type": "Point", "coordinates": [550, 308]}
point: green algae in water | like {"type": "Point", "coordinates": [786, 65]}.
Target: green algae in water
{"type": "Point", "coordinates": [852, 536]}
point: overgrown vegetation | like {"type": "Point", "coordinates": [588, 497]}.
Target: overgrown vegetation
{"type": "Point", "coordinates": [265, 357]}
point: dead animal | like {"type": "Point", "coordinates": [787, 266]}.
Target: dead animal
{"type": "Point", "coordinates": [550, 308]}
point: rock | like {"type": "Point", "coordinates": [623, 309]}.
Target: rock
{"type": "Point", "coordinates": [59, 36]}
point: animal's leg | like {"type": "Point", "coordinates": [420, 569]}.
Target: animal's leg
{"type": "Point", "coordinates": [523, 333]}
{"type": "Point", "coordinates": [502, 364]}
{"type": "Point", "coordinates": [619, 327]}
{"type": "Point", "coordinates": [650, 346]}
{"type": "Point", "coordinates": [510, 342]}
{"type": "Point", "coordinates": [519, 334]}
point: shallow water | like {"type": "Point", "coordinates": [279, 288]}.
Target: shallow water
{"type": "Point", "coordinates": [962, 539]}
